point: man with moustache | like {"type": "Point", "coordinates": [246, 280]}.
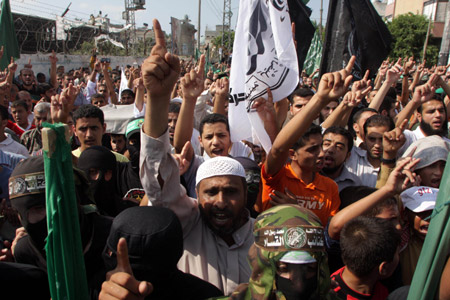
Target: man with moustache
{"type": "Point", "coordinates": [337, 146]}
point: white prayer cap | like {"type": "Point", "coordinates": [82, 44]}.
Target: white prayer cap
{"type": "Point", "coordinates": [219, 166]}
{"type": "Point", "coordinates": [419, 198]}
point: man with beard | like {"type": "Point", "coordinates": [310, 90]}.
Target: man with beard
{"type": "Point", "coordinates": [431, 113]}
{"type": "Point", "coordinates": [26, 76]}
{"type": "Point", "coordinates": [337, 144]}
{"type": "Point", "coordinates": [365, 164]}
{"type": "Point", "coordinates": [217, 230]}
{"type": "Point", "coordinates": [32, 139]}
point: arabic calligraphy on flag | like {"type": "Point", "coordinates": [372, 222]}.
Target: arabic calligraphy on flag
{"type": "Point", "coordinates": [263, 57]}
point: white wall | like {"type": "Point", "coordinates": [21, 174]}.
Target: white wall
{"type": "Point", "coordinates": [41, 63]}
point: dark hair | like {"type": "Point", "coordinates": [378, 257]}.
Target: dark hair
{"type": "Point", "coordinates": [352, 194]}
{"type": "Point", "coordinates": [377, 121]}
{"type": "Point", "coordinates": [88, 111]}
{"type": "Point", "coordinates": [4, 113]}
{"type": "Point", "coordinates": [174, 107]}
{"type": "Point", "coordinates": [358, 114]}
{"type": "Point", "coordinates": [212, 119]}
{"type": "Point", "coordinates": [313, 129]}
{"type": "Point", "coordinates": [18, 103]}
{"type": "Point", "coordinates": [386, 104]}
{"type": "Point", "coordinates": [300, 92]}
{"type": "Point", "coordinates": [97, 95]}
{"type": "Point", "coordinates": [128, 91]}
{"type": "Point", "coordinates": [43, 88]}
{"type": "Point", "coordinates": [344, 132]}
{"type": "Point", "coordinates": [367, 242]}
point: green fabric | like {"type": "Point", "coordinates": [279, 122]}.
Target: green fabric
{"type": "Point", "coordinates": [431, 262]}
{"type": "Point", "coordinates": [65, 262]}
{"type": "Point", "coordinates": [261, 285]}
{"type": "Point", "coordinates": [312, 61]}
{"type": "Point", "coordinates": [8, 38]}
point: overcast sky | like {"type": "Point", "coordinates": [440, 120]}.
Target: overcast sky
{"type": "Point", "coordinates": [162, 10]}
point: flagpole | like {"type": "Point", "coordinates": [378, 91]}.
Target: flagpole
{"type": "Point", "coordinates": [320, 22]}
{"type": "Point", "coordinates": [425, 45]}
{"type": "Point", "coordinates": [199, 18]}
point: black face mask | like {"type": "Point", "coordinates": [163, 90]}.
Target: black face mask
{"type": "Point", "coordinates": [38, 234]}
{"type": "Point", "coordinates": [134, 150]}
{"type": "Point", "coordinates": [285, 286]}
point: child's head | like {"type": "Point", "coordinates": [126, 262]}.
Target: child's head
{"type": "Point", "coordinates": [370, 247]}
{"type": "Point", "coordinates": [419, 202]}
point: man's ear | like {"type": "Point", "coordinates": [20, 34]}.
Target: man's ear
{"type": "Point", "coordinates": [384, 112]}
{"type": "Point", "coordinates": [348, 155]}
{"type": "Point", "coordinates": [355, 127]}
{"type": "Point", "coordinates": [291, 153]}
{"type": "Point", "coordinates": [419, 116]}
{"type": "Point", "coordinates": [104, 128]}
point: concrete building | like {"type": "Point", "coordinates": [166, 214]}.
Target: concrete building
{"type": "Point", "coordinates": [430, 8]}
{"type": "Point", "coordinates": [210, 35]}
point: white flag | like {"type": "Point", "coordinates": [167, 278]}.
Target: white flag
{"type": "Point", "coordinates": [264, 57]}
{"type": "Point", "coordinates": [123, 83]}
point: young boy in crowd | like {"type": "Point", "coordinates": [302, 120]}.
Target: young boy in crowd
{"type": "Point", "coordinates": [370, 249]}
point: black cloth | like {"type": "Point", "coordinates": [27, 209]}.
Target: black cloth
{"type": "Point", "coordinates": [21, 281]}
{"type": "Point", "coordinates": [94, 230]}
{"type": "Point", "coordinates": [128, 182]}
{"type": "Point", "coordinates": [155, 244]}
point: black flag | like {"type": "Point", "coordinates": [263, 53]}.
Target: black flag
{"type": "Point", "coordinates": [304, 29]}
{"type": "Point", "coordinates": [354, 28]}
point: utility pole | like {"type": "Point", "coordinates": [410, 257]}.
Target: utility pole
{"type": "Point", "coordinates": [128, 15]}
{"type": "Point", "coordinates": [320, 21]}
{"type": "Point", "coordinates": [428, 33]}
{"type": "Point", "coordinates": [226, 23]}
{"type": "Point", "coordinates": [199, 27]}
{"type": "Point", "coordinates": [445, 44]}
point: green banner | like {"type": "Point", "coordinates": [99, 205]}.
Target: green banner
{"type": "Point", "coordinates": [8, 38]}
{"type": "Point", "coordinates": [65, 262]}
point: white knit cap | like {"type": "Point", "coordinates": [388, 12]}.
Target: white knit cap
{"type": "Point", "coordinates": [419, 198]}
{"type": "Point", "coordinates": [219, 166]}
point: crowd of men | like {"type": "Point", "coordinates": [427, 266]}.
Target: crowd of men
{"type": "Point", "coordinates": [170, 208]}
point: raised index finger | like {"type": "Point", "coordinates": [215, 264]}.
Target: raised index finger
{"type": "Point", "coordinates": [403, 125]}
{"type": "Point", "coordinates": [159, 35]}
{"type": "Point", "coordinates": [123, 263]}
{"type": "Point", "coordinates": [350, 64]}
{"type": "Point", "coordinates": [201, 66]}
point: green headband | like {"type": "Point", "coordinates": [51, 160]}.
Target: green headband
{"type": "Point", "coordinates": [290, 238]}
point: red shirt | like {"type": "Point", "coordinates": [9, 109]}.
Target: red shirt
{"type": "Point", "coordinates": [343, 291]}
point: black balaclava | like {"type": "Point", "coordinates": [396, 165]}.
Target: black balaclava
{"type": "Point", "coordinates": [27, 190]}
{"type": "Point", "coordinates": [253, 179]}
{"type": "Point", "coordinates": [155, 243]}
{"type": "Point", "coordinates": [134, 149]}
{"type": "Point", "coordinates": [103, 160]}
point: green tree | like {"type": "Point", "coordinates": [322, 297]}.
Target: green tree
{"type": "Point", "coordinates": [228, 39]}
{"type": "Point", "coordinates": [409, 32]}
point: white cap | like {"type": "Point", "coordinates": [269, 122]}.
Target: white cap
{"type": "Point", "coordinates": [219, 166]}
{"type": "Point", "coordinates": [176, 100]}
{"type": "Point", "coordinates": [419, 198]}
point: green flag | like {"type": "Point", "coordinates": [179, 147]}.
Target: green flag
{"type": "Point", "coordinates": [436, 247]}
{"type": "Point", "coordinates": [312, 61]}
{"type": "Point", "coordinates": [8, 38]}
{"type": "Point", "coordinates": [65, 262]}
{"type": "Point", "coordinates": [197, 54]}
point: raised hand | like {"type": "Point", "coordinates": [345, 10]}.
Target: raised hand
{"type": "Point", "coordinates": [265, 108]}
{"type": "Point", "coordinates": [440, 71]}
{"type": "Point", "coordinates": [28, 65]}
{"type": "Point", "coordinates": [182, 158]}
{"type": "Point", "coordinates": [394, 73]}
{"type": "Point", "coordinates": [409, 65]}
{"type": "Point", "coordinates": [61, 105]}
{"type": "Point", "coordinates": [98, 66]}
{"type": "Point", "coordinates": [161, 69]}
{"type": "Point", "coordinates": [334, 85]}
{"type": "Point", "coordinates": [351, 99]}
{"type": "Point", "coordinates": [192, 82]}
{"type": "Point", "coordinates": [121, 284]}
{"type": "Point", "coordinates": [393, 140]}
{"type": "Point", "coordinates": [12, 67]}
{"type": "Point", "coordinates": [403, 176]}
{"type": "Point", "coordinates": [424, 92]}
{"type": "Point", "coordinates": [53, 59]}
{"type": "Point", "coordinates": [362, 87]}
